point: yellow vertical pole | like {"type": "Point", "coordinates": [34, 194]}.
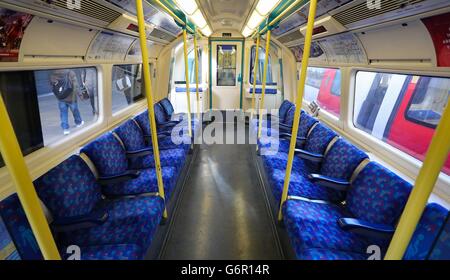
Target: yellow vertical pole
{"type": "Point", "coordinates": [428, 175]}
{"type": "Point", "coordinates": [188, 90]}
{"type": "Point", "coordinates": [298, 101]}
{"type": "Point", "coordinates": [149, 94]}
{"type": "Point", "coordinates": [255, 72]}
{"type": "Point", "coordinates": [12, 155]}
{"type": "Point", "coordinates": [196, 76]}
{"type": "Point", "coordinates": [264, 81]}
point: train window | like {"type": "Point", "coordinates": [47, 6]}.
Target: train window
{"type": "Point", "coordinates": [126, 86]}
{"type": "Point", "coordinates": [261, 61]}
{"type": "Point", "coordinates": [191, 61]}
{"type": "Point", "coordinates": [428, 101]}
{"type": "Point", "coordinates": [45, 105]}
{"type": "Point", "coordinates": [68, 100]}
{"type": "Point", "coordinates": [323, 85]}
{"type": "Point", "coordinates": [226, 65]}
{"type": "Point", "coordinates": [401, 110]}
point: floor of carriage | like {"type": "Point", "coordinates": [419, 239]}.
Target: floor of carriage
{"type": "Point", "coordinates": [222, 213]}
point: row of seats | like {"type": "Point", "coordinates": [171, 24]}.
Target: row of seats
{"type": "Point", "coordinates": [106, 200]}
{"type": "Point", "coordinates": [339, 202]}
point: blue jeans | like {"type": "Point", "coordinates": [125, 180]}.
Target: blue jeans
{"type": "Point", "coordinates": [64, 113]}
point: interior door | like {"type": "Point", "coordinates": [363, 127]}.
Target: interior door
{"type": "Point", "coordinates": [226, 75]}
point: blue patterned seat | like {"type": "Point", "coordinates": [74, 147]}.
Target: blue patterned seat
{"type": "Point", "coordinates": [175, 140]}
{"type": "Point", "coordinates": [377, 196]}
{"type": "Point", "coordinates": [133, 140]}
{"type": "Point", "coordinates": [72, 195]}
{"type": "Point", "coordinates": [166, 122]}
{"type": "Point", "coordinates": [110, 159]}
{"type": "Point", "coordinates": [282, 118]}
{"type": "Point", "coordinates": [121, 252]}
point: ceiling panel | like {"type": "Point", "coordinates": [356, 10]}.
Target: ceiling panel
{"type": "Point", "coordinates": [226, 14]}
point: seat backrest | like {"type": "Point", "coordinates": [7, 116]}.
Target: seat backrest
{"type": "Point", "coordinates": [70, 189]}
{"type": "Point", "coordinates": [306, 122]}
{"type": "Point", "coordinates": [19, 228]}
{"type": "Point", "coordinates": [441, 248]}
{"type": "Point", "coordinates": [318, 140]}
{"type": "Point", "coordinates": [131, 135]}
{"type": "Point", "coordinates": [378, 195]}
{"type": "Point", "coordinates": [284, 108]}
{"type": "Point", "coordinates": [426, 233]}
{"type": "Point", "coordinates": [107, 154]}
{"type": "Point", "coordinates": [144, 122]}
{"type": "Point", "coordinates": [167, 105]}
{"type": "Point", "coordinates": [342, 160]}
{"type": "Point", "coordinates": [160, 115]}
{"type": "Point", "coordinates": [290, 115]}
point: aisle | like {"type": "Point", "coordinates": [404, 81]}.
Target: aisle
{"type": "Point", "coordinates": [222, 213]}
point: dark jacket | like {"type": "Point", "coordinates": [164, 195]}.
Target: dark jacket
{"type": "Point", "coordinates": [61, 74]}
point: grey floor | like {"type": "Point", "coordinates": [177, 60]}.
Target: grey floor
{"type": "Point", "coordinates": [222, 212]}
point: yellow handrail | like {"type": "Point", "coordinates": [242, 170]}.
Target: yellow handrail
{"type": "Point", "coordinates": [263, 92]}
{"type": "Point", "coordinates": [428, 175]}
{"type": "Point", "coordinates": [188, 89]}
{"type": "Point", "coordinates": [149, 94]}
{"type": "Point", "coordinates": [196, 76]}
{"type": "Point", "coordinates": [255, 66]}
{"type": "Point", "coordinates": [12, 155]}
{"type": "Point", "coordinates": [298, 102]}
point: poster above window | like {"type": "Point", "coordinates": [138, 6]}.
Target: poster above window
{"type": "Point", "coordinates": [12, 29]}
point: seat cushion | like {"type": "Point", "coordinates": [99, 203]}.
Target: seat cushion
{"type": "Point", "coordinates": [146, 183]}
{"type": "Point", "coordinates": [279, 162]}
{"type": "Point", "coordinates": [167, 105]}
{"type": "Point", "coordinates": [300, 185]}
{"type": "Point", "coordinates": [70, 189]}
{"type": "Point", "coordinates": [329, 255]}
{"type": "Point", "coordinates": [130, 221]}
{"type": "Point", "coordinates": [315, 225]}
{"type": "Point", "coordinates": [122, 252]}
{"type": "Point", "coordinates": [306, 123]}
{"type": "Point", "coordinates": [131, 136]}
{"type": "Point", "coordinates": [317, 142]}
{"type": "Point", "coordinates": [170, 157]}
{"type": "Point", "coordinates": [284, 108]}
{"type": "Point", "coordinates": [107, 154]}
{"type": "Point", "coordinates": [161, 116]}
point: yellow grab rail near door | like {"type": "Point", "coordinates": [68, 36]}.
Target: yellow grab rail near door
{"type": "Point", "coordinates": [196, 76]}
{"type": "Point", "coordinates": [428, 175]}
{"type": "Point", "coordinates": [149, 95]}
{"type": "Point", "coordinates": [188, 90]}
{"type": "Point", "coordinates": [298, 102]}
{"type": "Point", "coordinates": [264, 81]}
{"type": "Point", "coordinates": [12, 155]}
{"type": "Point", "coordinates": [255, 71]}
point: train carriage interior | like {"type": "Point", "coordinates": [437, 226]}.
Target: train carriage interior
{"type": "Point", "coordinates": [224, 130]}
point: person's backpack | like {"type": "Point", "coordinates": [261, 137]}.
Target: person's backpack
{"type": "Point", "coordinates": [63, 87]}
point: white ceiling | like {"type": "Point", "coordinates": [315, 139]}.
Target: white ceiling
{"type": "Point", "coordinates": [226, 14]}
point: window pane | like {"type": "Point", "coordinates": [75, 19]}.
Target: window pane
{"type": "Point", "coordinates": [19, 94]}
{"type": "Point", "coordinates": [191, 62]}
{"type": "Point", "coordinates": [226, 65]}
{"type": "Point", "coordinates": [261, 61]}
{"type": "Point", "coordinates": [323, 85]}
{"type": "Point", "coordinates": [67, 100]}
{"type": "Point", "coordinates": [126, 86]}
{"type": "Point", "coordinates": [401, 110]}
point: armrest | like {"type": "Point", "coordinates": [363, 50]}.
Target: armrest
{"type": "Point", "coordinates": [140, 153]}
{"type": "Point", "coordinates": [366, 228]}
{"type": "Point", "coordinates": [128, 175]}
{"type": "Point", "coordinates": [285, 126]}
{"type": "Point", "coordinates": [329, 182]}
{"type": "Point", "coordinates": [79, 222]}
{"type": "Point", "coordinates": [288, 136]}
{"type": "Point", "coordinates": [309, 156]}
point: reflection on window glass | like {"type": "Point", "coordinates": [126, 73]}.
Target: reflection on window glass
{"type": "Point", "coordinates": [323, 85]}
{"type": "Point", "coordinates": [67, 100]}
{"type": "Point", "coordinates": [191, 62]}
{"type": "Point", "coordinates": [401, 110]}
{"type": "Point", "coordinates": [429, 100]}
{"type": "Point", "coordinates": [126, 86]}
{"type": "Point", "coordinates": [226, 65]}
{"type": "Point", "coordinates": [261, 61]}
